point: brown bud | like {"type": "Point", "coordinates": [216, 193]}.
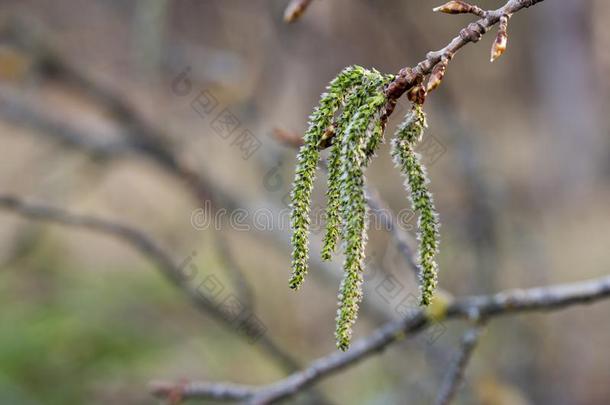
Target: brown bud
{"type": "Point", "coordinates": [460, 7]}
{"type": "Point", "coordinates": [295, 9]}
{"type": "Point", "coordinates": [454, 7]}
{"type": "Point", "coordinates": [499, 44]}
{"type": "Point", "coordinates": [436, 77]}
{"type": "Point", "coordinates": [417, 94]}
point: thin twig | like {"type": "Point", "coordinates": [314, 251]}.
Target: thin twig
{"type": "Point", "coordinates": [240, 281]}
{"type": "Point", "coordinates": [409, 77]}
{"type": "Point", "coordinates": [455, 375]}
{"type": "Point", "coordinates": [548, 298]}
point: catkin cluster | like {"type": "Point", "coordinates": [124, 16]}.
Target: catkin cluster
{"type": "Point", "coordinates": [349, 115]}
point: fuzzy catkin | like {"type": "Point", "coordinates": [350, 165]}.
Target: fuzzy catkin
{"type": "Point", "coordinates": [407, 135]}
{"type": "Point", "coordinates": [371, 84]}
{"type": "Point", "coordinates": [353, 215]}
{"type": "Point", "coordinates": [307, 159]}
{"type": "Point", "coordinates": [374, 136]}
{"type": "Point", "coordinates": [350, 117]}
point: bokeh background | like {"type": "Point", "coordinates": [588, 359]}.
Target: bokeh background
{"type": "Point", "coordinates": [522, 184]}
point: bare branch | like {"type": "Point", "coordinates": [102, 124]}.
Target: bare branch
{"type": "Point", "coordinates": [409, 77]}
{"type": "Point", "coordinates": [150, 249]}
{"type": "Point", "coordinates": [509, 302]}
{"type": "Point", "coordinates": [141, 136]}
{"type": "Point", "coordinates": [240, 281]}
{"type": "Point", "coordinates": [455, 375]}
{"type": "Point", "coordinates": [14, 110]}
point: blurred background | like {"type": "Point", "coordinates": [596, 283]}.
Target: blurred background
{"type": "Point", "coordinates": [140, 111]}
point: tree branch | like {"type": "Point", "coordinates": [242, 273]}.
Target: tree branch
{"type": "Point", "coordinates": [409, 77]}
{"type": "Point", "coordinates": [481, 307]}
{"type": "Point", "coordinates": [455, 375]}
{"type": "Point", "coordinates": [164, 262]}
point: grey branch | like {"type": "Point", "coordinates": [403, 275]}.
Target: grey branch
{"type": "Point", "coordinates": [238, 277]}
{"type": "Point", "coordinates": [455, 375]}
{"type": "Point", "coordinates": [481, 307]}
{"type": "Point", "coordinates": [150, 249]}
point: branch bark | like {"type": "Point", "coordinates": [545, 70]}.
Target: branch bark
{"type": "Point", "coordinates": [455, 375]}
{"type": "Point", "coordinates": [409, 77]}
{"type": "Point", "coordinates": [481, 307]}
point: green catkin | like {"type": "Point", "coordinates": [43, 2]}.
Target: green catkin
{"type": "Point", "coordinates": [307, 159]}
{"type": "Point", "coordinates": [373, 81]}
{"type": "Point", "coordinates": [407, 136]}
{"type": "Point", "coordinates": [353, 214]}
{"type": "Point", "coordinates": [353, 105]}
{"type": "Point", "coordinates": [375, 132]}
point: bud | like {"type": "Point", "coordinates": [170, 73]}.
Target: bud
{"type": "Point", "coordinates": [460, 7]}
{"type": "Point", "coordinates": [417, 95]}
{"type": "Point", "coordinates": [499, 44]}
{"type": "Point", "coordinates": [295, 9]}
{"type": "Point", "coordinates": [454, 7]}
{"type": "Point", "coordinates": [436, 77]}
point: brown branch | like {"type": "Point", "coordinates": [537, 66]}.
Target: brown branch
{"type": "Point", "coordinates": [455, 375]}
{"type": "Point", "coordinates": [410, 77]}
{"type": "Point", "coordinates": [481, 307]}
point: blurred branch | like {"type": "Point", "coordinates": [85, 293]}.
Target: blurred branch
{"type": "Point", "coordinates": [287, 138]}
{"type": "Point", "coordinates": [53, 64]}
{"type": "Point", "coordinates": [18, 112]}
{"type": "Point", "coordinates": [236, 274]}
{"type": "Point", "coordinates": [455, 375]}
{"type": "Point", "coordinates": [295, 10]}
{"type": "Point", "coordinates": [141, 136]}
{"type": "Point", "coordinates": [481, 308]}
{"type": "Point", "coordinates": [150, 249]}
{"type": "Point", "coordinates": [402, 239]}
